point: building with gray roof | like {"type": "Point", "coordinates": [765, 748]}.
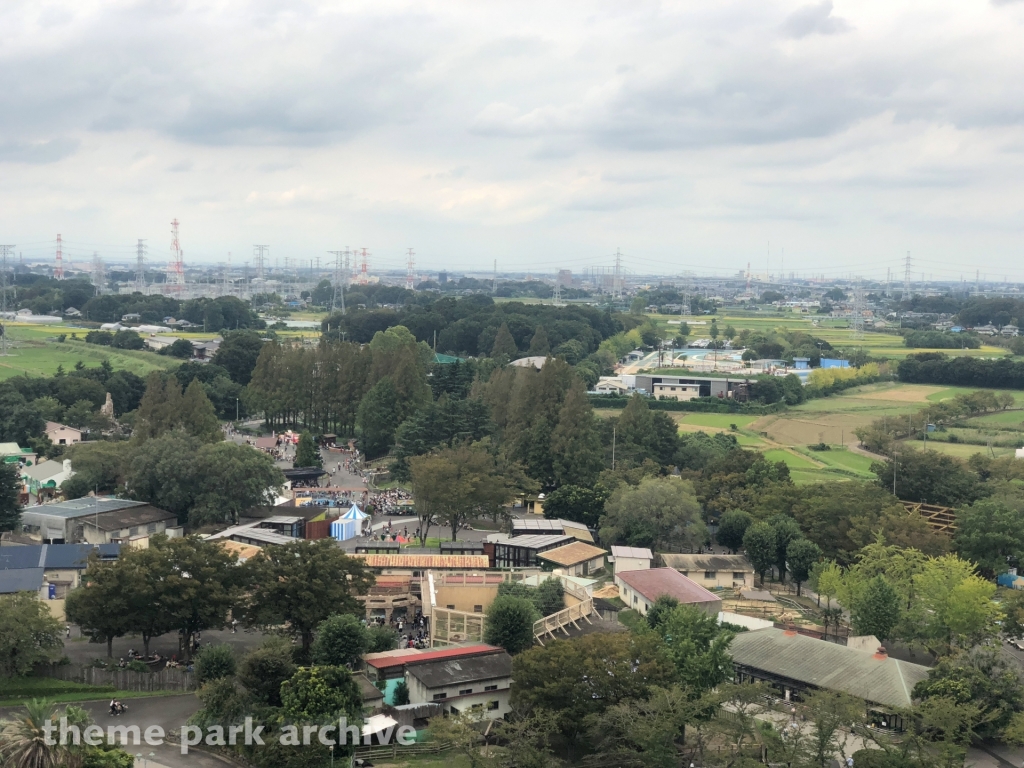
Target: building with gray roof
{"type": "Point", "coordinates": [97, 520]}
{"type": "Point", "coordinates": [794, 663]}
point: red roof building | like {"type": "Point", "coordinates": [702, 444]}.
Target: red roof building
{"type": "Point", "coordinates": [640, 589]}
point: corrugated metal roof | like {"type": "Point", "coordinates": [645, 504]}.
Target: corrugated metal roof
{"type": "Point", "coordinates": [655, 582]}
{"type": "Point", "coordinates": [886, 681]}
{"type": "Point", "coordinates": [536, 541]}
{"type": "Point", "coordinates": [445, 672]}
{"type": "Point", "coordinates": [21, 580]}
{"type": "Point", "coordinates": [708, 562]}
{"type": "Point", "coordinates": [424, 561]}
{"type": "Point", "coordinates": [399, 659]}
{"type": "Point", "coordinates": [634, 552]}
{"type": "Point", "coordinates": [572, 554]}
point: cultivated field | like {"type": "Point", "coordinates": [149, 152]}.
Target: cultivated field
{"type": "Point", "coordinates": [33, 350]}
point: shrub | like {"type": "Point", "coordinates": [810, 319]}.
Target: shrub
{"type": "Point", "coordinates": [214, 662]}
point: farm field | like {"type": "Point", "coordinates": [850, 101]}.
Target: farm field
{"type": "Point", "coordinates": [35, 351]}
{"type": "Point", "coordinates": [962, 451]}
{"type": "Point", "coordinates": [835, 331]}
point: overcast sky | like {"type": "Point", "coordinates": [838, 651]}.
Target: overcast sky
{"type": "Point", "coordinates": [542, 134]}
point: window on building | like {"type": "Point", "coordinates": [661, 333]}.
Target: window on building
{"type": "Point", "coordinates": [439, 696]}
{"type": "Point", "coordinates": [465, 692]}
{"type": "Point", "coordinates": [151, 528]}
{"type": "Point", "coordinates": [634, 599]}
{"type": "Point", "coordinates": [450, 607]}
{"type": "Point", "coordinates": [739, 576]}
{"type": "Point", "coordinates": [490, 687]}
{"type": "Point", "coordinates": [134, 531]}
{"type": "Point", "coordinates": [478, 609]}
{"type": "Point", "coordinates": [710, 574]}
{"type": "Point", "coordinates": [493, 705]}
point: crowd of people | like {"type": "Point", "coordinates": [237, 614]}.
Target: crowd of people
{"type": "Point", "coordinates": [393, 501]}
{"type": "Point", "coordinates": [412, 633]}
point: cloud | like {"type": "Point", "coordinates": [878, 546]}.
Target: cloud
{"type": "Point", "coordinates": [814, 20]}
{"type": "Point", "coordinates": [37, 152]}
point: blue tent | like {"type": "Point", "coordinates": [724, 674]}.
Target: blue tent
{"type": "Point", "coordinates": [354, 513]}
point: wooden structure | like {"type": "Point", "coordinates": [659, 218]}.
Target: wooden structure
{"type": "Point", "coordinates": [939, 519]}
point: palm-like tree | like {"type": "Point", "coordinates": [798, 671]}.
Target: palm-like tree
{"type": "Point", "coordinates": [23, 742]}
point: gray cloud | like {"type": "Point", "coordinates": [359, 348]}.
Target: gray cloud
{"type": "Point", "coordinates": [814, 20]}
{"type": "Point", "coordinates": [37, 152]}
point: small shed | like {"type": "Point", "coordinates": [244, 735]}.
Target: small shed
{"type": "Point", "coordinates": [578, 558]}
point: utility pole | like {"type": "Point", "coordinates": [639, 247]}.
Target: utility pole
{"type": "Point", "coordinates": [4, 251]}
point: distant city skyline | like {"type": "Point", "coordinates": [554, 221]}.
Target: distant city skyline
{"type": "Point", "coordinates": [544, 136]}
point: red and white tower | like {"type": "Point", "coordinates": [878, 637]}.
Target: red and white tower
{"type": "Point", "coordinates": [176, 268]}
{"type": "Point", "coordinates": [364, 269]}
{"type": "Point", "coordinates": [410, 273]}
{"type": "Point", "coordinates": [58, 267]}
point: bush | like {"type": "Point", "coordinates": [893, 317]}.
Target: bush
{"type": "Point", "coordinates": [340, 640]}
{"type": "Point", "coordinates": [214, 662]}
{"type": "Point", "coordinates": [510, 623]}
{"type": "Point", "coordinates": [380, 639]}
{"type": "Point", "coordinates": [401, 694]}
{"type": "Point", "coordinates": [137, 666]}
{"type": "Point", "coordinates": [264, 669]}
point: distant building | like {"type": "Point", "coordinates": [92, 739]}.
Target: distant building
{"type": "Point", "coordinates": [479, 684]}
{"type": "Point", "coordinates": [61, 434]}
{"type": "Point", "coordinates": [1010, 330]}
{"type": "Point", "coordinates": [576, 559]}
{"type": "Point", "coordinates": [98, 520]}
{"type": "Point", "coordinates": [631, 559]}
{"type": "Point", "coordinates": [713, 571]}
{"type": "Point", "coordinates": [564, 278]}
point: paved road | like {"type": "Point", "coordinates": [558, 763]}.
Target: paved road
{"type": "Point", "coordinates": [81, 651]}
{"type": "Point", "coordinates": [168, 712]}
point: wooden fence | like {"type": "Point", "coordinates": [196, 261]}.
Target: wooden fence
{"type": "Point", "coordinates": [547, 626]}
{"type": "Point", "coordinates": [167, 679]}
{"type": "Point", "coordinates": [396, 750]}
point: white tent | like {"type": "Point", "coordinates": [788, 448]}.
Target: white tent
{"type": "Point", "coordinates": [354, 513]}
{"type": "Point", "coordinates": [342, 530]}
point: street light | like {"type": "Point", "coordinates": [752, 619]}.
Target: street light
{"type": "Point", "coordinates": [236, 409]}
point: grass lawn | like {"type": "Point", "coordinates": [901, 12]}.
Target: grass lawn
{"type": "Point", "coordinates": [20, 690]}
{"type": "Point", "coordinates": [962, 450]}
{"type": "Point", "coordinates": [448, 759]}
{"type": "Point", "coordinates": [720, 420]}
{"type": "Point", "coordinates": [999, 419]}
{"type": "Point", "coordinates": [847, 460]}
{"type": "Point", "coordinates": [792, 460]}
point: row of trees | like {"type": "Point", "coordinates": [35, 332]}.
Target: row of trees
{"type": "Point", "coordinates": [191, 584]}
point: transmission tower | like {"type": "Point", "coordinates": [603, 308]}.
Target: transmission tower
{"type": "Point", "coordinates": [410, 273]}
{"type": "Point", "coordinates": [906, 279]}
{"type": "Point", "coordinates": [98, 273]}
{"type": "Point", "coordinates": [140, 267]}
{"type": "Point", "coordinates": [176, 269]}
{"type": "Point", "coordinates": [259, 256]}
{"type": "Point", "coordinates": [858, 311]}
{"type": "Point", "coordinates": [58, 269]}
{"type": "Point", "coordinates": [364, 267]}
{"type": "Point", "coordinates": [617, 276]}
{"type": "Point", "coordinates": [5, 250]}
{"type": "Point", "coordinates": [339, 287]}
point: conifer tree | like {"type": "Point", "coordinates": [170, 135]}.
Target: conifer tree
{"type": "Point", "coordinates": [504, 345]}
{"type": "Point", "coordinates": [539, 345]}
{"type": "Point", "coordinates": [575, 444]}
{"type": "Point", "coordinates": [198, 416]}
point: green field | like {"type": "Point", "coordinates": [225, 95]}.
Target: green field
{"type": "Point", "coordinates": [34, 351]}
{"type": "Point", "coordinates": [836, 332]}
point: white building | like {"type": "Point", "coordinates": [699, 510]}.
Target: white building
{"type": "Point", "coordinates": [61, 434]}
{"type": "Point", "coordinates": [478, 684]}
{"type": "Point", "coordinates": [631, 559]}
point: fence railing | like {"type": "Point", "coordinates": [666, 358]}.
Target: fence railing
{"type": "Point", "coordinates": [558, 621]}
{"type": "Point", "coordinates": [167, 679]}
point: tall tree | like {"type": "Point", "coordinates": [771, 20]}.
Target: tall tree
{"type": "Point", "coordinates": [759, 543]}
{"type": "Point", "coordinates": [732, 527]}
{"type": "Point", "coordinates": [376, 418]}
{"type": "Point", "coordinates": [539, 345]}
{"type": "Point", "coordinates": [10, 499]}
{"type": "Point", "coordinates": [801, 555]}
{"type": "Point", "coordinates": [460, 483]}
{"type": "Point", "coordinates": [160, 409]}
{"type": "Point", "coordinates": [575, 444]}
{"type": "Point", "coordinates": [299, 585]}
{"type": "Point", "coordinates": [307, 454]}
{"type": "Point", "coordinates": [504, 345]}
{"type": "Point", "coordinates": [101, 605]}
{"type": "Point", "coordinates": [660, 513]}
{"type": "Point", "coordinates": [877, 609]}
{"type": "Point", "coordinates": [510, 623]}
{"type": "Point", "coordinates": [238, 354]}
{"type": "Point", "coordinates": [786, 530]}
{"type": "Point", "coordinates": [29, 634]}
{"type": "Point", "coordinates": [989, 533]}
{"type": "Point", "coordinates": [202, 584]}
{"type": "Point", "coordinates": [340, 640]}
{"type": "Point", "coordinates": [198, 416]}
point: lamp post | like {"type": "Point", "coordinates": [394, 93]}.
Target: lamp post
{"type": "Point", "coordinates": [236, 409]}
